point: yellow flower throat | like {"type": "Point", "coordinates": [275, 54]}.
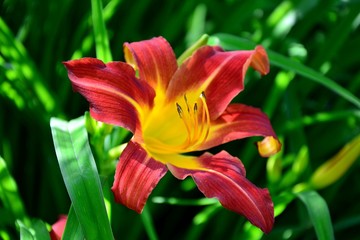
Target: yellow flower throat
{"type": "Point", "coordinates": [177, 127]}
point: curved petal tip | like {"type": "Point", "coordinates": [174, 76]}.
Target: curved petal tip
{"type": "Point", "coordinates": [222, 176]}
{"type": "Point", "coordinates": [260, 60]}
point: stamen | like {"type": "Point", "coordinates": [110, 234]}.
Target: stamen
{"type": "Point", "coordinates": [179, 110]}
{"type": "Point", "coordinates": [205, 118]}
{"type": "Point", "coordinates": [196, 122]}
{"type": "Point", "coordinates": [185, 119]}
{"type": "Point", "coordinates": [195, 108]}
{"type": "Point", "coordinates": [186, 102]}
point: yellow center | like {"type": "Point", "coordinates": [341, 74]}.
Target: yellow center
{"type": "Point", "coordinates": [176, 127]}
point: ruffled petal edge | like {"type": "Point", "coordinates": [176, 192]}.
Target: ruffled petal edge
{"type": "Point", "coordinates": [223, 176]}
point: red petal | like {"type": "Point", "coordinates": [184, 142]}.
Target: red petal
{"type": "Point", "coordinates": [57, 229]}
{"type": "Point", "coordinates": [223, 176]}
{"type": "Point", "coordinates": [114, 94]}
{"type": "Point", "coordinates": [219, 74]}
{"type": "Point", "coordinates": [238, 121]}
{"type": "Point", "coordinates": [155, 60]}
{"type": "Point", "coordinates": [136, 176]}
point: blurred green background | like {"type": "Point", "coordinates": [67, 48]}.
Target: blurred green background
{"type": "Point", "coordinates": [311, 95]}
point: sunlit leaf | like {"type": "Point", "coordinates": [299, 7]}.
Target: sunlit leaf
{"type": "Point", "coordinates": [73, 229]}
{"type": "Point", "coordinates": [37, 230]}
{"type": "Point", "coordinates": [81, 177]}
{"type": "Point", "coordinates": [101, 39]}
{"type": "Point", "coordinates": [22, 68]}
{"type": "Point", "coordinates": [9, 194]}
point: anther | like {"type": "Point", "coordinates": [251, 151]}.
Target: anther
{"type": "Point", "coordinates": [186, 102]}
{"type": "Point", "coordinates": [195, 108]}
{"type": "Point", "coordinates": [179, 110]}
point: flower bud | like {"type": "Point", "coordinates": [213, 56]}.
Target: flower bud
{"type": "Point", "coordinates": [330, 171]}
{"type": "Point", "coordinates": [268, 146]}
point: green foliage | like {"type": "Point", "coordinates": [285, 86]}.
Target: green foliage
{"type": "Point", "coordinates": [81, 177]}
{"type": "Point", "coordinates": [36, 230]}
{"type": "Point", "coordinates": [311, 95]}
{"type": "Point", "coordinates": [319, 214]}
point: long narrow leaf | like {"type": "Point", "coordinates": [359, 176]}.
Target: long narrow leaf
{"type": "Point", "coordinates": [149, 225]}
{"type": "Point", "coordinates": [101, 39]}
{"type": "Point", "coordinates": [73, 229]}
{"type": "Point", "coordinates": [233, 42]}
{"type": "Point", "coordinates": [25, 69]}
{"type": "Point", "coordinates": [81, 178]}
{"type": "Point", "coordinates": [37, 230]}
{"type": "Point", "coordinates": [318, 213]}
{"type": "Point", "coordinates": [25, 232]}
{"type": "Point", "coordinates": [9, 194]}
{"type": "Point", "coordinates": [40, 230]}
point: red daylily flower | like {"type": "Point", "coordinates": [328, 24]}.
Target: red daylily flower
{"type": "Point", "coordinates": [173, 110]}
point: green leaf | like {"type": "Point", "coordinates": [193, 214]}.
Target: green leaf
{"type": "Point", "coordinates": [148, 224]}
{"type": "Point", "coordinates": [36, 231]}
{"type": "Point", "coordinates": [40, 230]}
{"type": "Point", "coordinates": [232, 42]}
{"type": "Point", "coordinates": [81, 177]}
{"type": "Point", "coordinates": [101, 39]}
{"type": "Point", "coordinates": [185, 202]}
{"type": "Point", "coordinates": [197, 25]}
{"type": "Point", "coordinates": [25, 232]}
{"type": "Point", "coordinates": [188, 52]}
{"type": "Point", "coordinates": [23, 69]}
{"type": "Point", "coordinates": [9, 194]}
{"type": "Point", "coordinates": [318, 213]}
{"type": "Point", "coordinates": [73, 229]}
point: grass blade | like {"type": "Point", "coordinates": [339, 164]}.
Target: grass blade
{"type": "Point", "coordinates": [81, 178]}
{"type": "Point", "coordinates": [289, 64]}
{"type": "Point", "coordinates": [25, 232]}
{"type": "Point", "coordinates": [9, 194]}
{"type": "Point", "coordinates": [36, 231]}
{"type": "Point", "coordinates": [149, 225]}
{"type": "Point", "coordinates": [73, 229]}
{"type": "Point", "coordinates": [40, 230]}
{"type": "Point", "coordinates": [318, 213]}
{"type": "Point", "coordinates": [24, 68]}
{"type": "Point", "coordinates": [101, 39]}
